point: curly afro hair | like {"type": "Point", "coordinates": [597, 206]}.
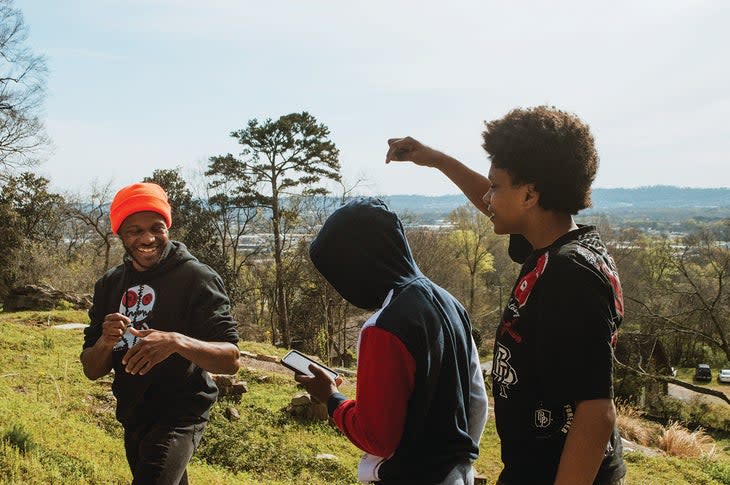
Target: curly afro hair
{"type": "Point", "coordinates": [549, 148]}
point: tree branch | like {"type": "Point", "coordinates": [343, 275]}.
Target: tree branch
{"type": "Point", "coordinates": [672, 380]}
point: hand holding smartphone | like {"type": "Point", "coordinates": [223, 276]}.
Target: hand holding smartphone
{"type": "Point", "coordinates": [299, 363]}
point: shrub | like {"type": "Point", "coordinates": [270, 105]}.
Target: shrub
{"type": "Point", "coordinates": [718, 470]}
{"type": "Point", "coordinates": [19, 438]}
{"type": "Point", "coordinates": [66, 467]}
{"type": "Point", "coordinates": [477, 335]}
{"type": "Point", "coordinates": [677, 440]}
{"type": "Point", "coordinates": [630, 424]}
{"type": "Point", "coordinates": [47, 342]}
{"type": "Point", "coordinates": [698, 412]}
{"type": "Point", "coordinates": [64, 305]}
{"type": "Point", "coordinates": [626, 409]}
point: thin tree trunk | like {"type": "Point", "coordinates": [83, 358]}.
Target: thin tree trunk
{"type": "Point", "coordinates": [107, 251]}
{"type": "Point", "coordinates": [280, 295]}
{"type": "Point", "coordinates": [472, 285]}
{"type": "Point", "coordinates": [273, 329]}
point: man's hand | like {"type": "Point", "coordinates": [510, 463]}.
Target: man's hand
{"type": "Point", "coordinates": [97, 359]}
{"type": "Point", "coordinates": [410, 149]}
{"type": "Point", "coordinates": [113, 329]}
{"type": "Point", "coordinates": [321, 386]}
{"type": "Point", "coordinates": [153, 347]}
{"type": "Point", "coordinates": [473, 184]}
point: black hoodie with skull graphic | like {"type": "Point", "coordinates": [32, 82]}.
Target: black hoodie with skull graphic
{"type": "Point", "coordinates": [178, 295]}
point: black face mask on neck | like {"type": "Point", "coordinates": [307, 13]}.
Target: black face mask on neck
{"type": "Point", "coordinates": [519, 248]}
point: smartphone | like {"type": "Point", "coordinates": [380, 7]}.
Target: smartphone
{"type": "Point", "coordinates": [299, 363]}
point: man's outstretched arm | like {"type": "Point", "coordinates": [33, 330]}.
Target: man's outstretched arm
{"type": "Point", "coordinates": [473, 184]}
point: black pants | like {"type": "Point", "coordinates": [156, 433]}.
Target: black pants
{"type": "Point", "coordinates": [159, 453]}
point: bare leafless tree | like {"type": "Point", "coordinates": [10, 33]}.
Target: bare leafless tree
{"type": "Point", "coordinates": [93, 211]}
{"type": "Point", "coordinates": [22, 91]}
{"type": "Point", "coordinates": [234, 218]}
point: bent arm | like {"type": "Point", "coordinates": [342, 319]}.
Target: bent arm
{"type": "Point", "coordinates": [216, 357]}
{"type": "Point", "coordinates": [585, 445]}
{"type": "Point", "coordinates": [97, 360]}
{"type": "Point", "coordinates": [211, 342]}
{"type": "Point", "coordinates": [385, 379]}
{"type": "Point", "coordinates": [473, 184]}
{"type": "Point", "coordinates": [100, 337]}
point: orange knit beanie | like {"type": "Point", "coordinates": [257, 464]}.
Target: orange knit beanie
{"type": "Point", "coordinates": [139, 197]}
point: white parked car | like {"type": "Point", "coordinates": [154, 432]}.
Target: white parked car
{"type": "Point", "coordinates": [724, 375]}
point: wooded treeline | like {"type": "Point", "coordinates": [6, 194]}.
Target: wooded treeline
{"type": "Point", "coordinates": [675, 288]}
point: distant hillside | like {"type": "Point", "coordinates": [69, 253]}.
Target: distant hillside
{"type": "Point", "coordinates": [661, 197]}
{"type": "Point", "coordinates": [419, 204]}
{"type": "Point", "coordinates": [661, 201]}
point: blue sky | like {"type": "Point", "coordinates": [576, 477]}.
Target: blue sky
{"type": "Point", "coordinates": [136, 85]}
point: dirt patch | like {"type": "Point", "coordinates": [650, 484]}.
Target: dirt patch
{"type": "Point", "coordinates": [645, 450]}
{"type": "Point", "coordinates": [263, 366]}
{"type": "Point", "coordinates": [687, 395]}
{"type": "Point", "coordinates": [70, 326]}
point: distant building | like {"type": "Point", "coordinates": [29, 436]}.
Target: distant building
{"type": "Point", "coordinates": [646, 353]}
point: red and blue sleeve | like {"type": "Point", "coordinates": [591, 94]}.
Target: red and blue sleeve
{"type": "Point", "coordinates": [386, 372]}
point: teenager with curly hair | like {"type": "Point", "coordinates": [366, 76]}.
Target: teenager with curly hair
{"type": "Point", "coordinates": [553, 368]}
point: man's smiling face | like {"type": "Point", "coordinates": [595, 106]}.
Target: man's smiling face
{"type": "Point", "coordinates": [145, 237]}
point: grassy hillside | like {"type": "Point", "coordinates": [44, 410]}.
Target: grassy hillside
{"type": "Point", "coordinates": [58, 427]}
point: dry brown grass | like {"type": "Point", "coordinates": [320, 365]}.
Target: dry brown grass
{"type": "Point", "coordinates": [632, 427]}
{"type": "Point", "coordinates": [677, 440]}
{"type": "Point", "coordinates": [626, 409]}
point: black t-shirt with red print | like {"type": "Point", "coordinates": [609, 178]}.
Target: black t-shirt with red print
{"type": "Point", "coordinates": [553, 348]}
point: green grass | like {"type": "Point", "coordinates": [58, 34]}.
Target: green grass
{"type": "Point", "coordinates": [46, 318]}
{"type": "Point", "coordinates": [644, 470]}
{"type": "Point", "coordinates": [56, 426]}
{"type": "Point", "coordinates": [262, 348]}
{"type": "Point", "coordinates": [46, 401]}
{"type": "Point", "coordinates": [686, 374]}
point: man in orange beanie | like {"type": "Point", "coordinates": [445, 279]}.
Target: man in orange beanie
{"type": "Point", "coordinates": [161, 320]}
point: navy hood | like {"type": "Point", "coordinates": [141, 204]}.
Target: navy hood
{"type": "Point", "coordinates": [363, 252]}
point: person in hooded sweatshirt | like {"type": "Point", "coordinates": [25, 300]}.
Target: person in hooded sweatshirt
{"type": "Point", "coordinates": [421, 403]}
{"type": "Point", "coordinates": [160, 321]}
